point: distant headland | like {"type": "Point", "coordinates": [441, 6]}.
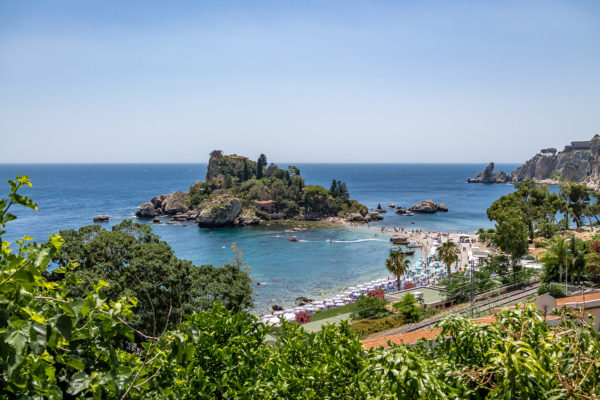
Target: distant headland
{"type": "Point", "coordinates": [239, 191]}
{"type": "Point", "coordinates": [579, 162]}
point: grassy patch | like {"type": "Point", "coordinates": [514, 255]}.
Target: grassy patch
{"type": "Point", "coordinates": [319, 315]}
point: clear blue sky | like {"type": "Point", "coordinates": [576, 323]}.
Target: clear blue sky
{"type": "Point", "coordinates": [302, 81]}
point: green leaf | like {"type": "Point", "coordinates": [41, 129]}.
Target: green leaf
{"type": "Point", "coordinates": [64, 326]}
{"type": "Point", "coordinates": [38, 337]}
{"type": "Point", "coordinates": [74, 362]}
{"type": "Point", "coordinates": [79, 382]}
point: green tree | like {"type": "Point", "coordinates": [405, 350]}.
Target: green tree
{"type": "Point", "coordinates": [448, 253]}
{"type": "Point", "coordinates": [577, 197]}
{"type": "Point", "coordinates": [132, 260]}
{"type": "Point", "coordinates": [397, 264]}
{"type": "Point", "coordinates": [293, 170]}
{"type": "Point", "coordinates": [260, 165]}
{"type": "Point", "coordinates": [531, 201]}
{"type": "Point", "coordinates": [554, 260]}
{"type": "Point", "coordinates": [408, 309]}
{"type": "Point", "coordinates": [511, 237]}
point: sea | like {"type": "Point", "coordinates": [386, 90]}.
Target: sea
{"type": "Point", "coordinates": [321, 264]}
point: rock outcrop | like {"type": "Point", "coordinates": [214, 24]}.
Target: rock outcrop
{"type": "Point", "coordinates": [578, 162]}
{"type": "Point", "coordinates": [271, 169]}
{"type": "Point", "coordinates": [302, 301]}
{"type": "Point", "coordinates": [165, 204]}
{"type": "Point", "coordinates": [489, 176]}
{"type": "Point", "coordinates": [146, 210]}
{"type": "Point", "coordinates": [428, 207]}
{"type": "Point", "coordinates": [375, 216]}
{"type": "Point", "coordinates": [223, 211]}
{"type": "Point", "coordinates": [101, 218]}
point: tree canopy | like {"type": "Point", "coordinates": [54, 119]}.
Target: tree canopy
{"type": "Point", "coordinates": [135, 263]}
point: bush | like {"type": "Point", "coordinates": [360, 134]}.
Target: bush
{"type": "Point", "coordinates": [408, 309]}
{"type": "Point", "coordinates": [303, 317]}
{"type": "Point", "coordinates": [368, 307]}
{"type": "Point", "coordinates": [539, 245]}
{"type": "Point", "coordinates": [376, 293]}
{"type": "Point", "coordinates": [408, 286]}
{"type": "Point", "coordinates": [553, 289]}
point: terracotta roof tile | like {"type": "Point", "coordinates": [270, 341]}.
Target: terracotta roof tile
{"type": "Point", "coordinates": [402, 338]}
{"type": "Point", "coordinates": [578, 299]}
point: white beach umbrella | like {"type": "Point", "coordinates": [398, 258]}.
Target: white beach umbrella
{"type": "Point", "coordinates": [299, 309]}
{"type": "Point", "coordinates": [278, 313]}
{"type": "Point", "coordinates": [289, 310]}
{"type": "Point", "coordinates": [289, 316]}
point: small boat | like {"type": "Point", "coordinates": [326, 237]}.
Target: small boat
{"type": "Point", "coordinates": [399, 240]}
{"type": "Point", "coordinates": [413, 246]}
{"type": "Point", "coordinates": [407, 252]}
{"type": "Point", "coordinates": [294, 239]}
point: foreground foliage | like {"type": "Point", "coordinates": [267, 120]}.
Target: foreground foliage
{"type": "Point", "coordinates": [55, 346]}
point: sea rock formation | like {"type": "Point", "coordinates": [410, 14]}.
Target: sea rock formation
{"type": "Point", "coordinates": [302, 301]}
{"type": "Point", "coordinates": [165, 204]}
{"type": "Point", "coordinates": [375, 216]}
{"type": "Point", "coordinates": [428, 207]}
{"type": "Point", "coordinates": [146, 210]}
{"type": "Point", "coordinates": [222, 211]}
{"type": "Point", "coordinates": [489, 176]}
{"type": "Point", "coordinates": [356, 218]}
{"type": "Point", "coordinates": [101, 218]}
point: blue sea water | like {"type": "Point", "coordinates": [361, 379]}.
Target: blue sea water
{"type": "Point", "coordinates": [69, 195]}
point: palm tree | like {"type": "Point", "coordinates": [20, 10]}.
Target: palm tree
{"type": "Point", "coordinates": [448, 253]}
{"type": "Point", "coordinates": [397, 264]}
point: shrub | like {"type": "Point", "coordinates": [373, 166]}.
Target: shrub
{"type": "Point", "coordinates": [376, 293]}
{"type": "Point", "coordinates": [408, 309]}
{"type": "Point", "coordinates": [368, 307]}
{"type": "Point", "coordinates": [408, 286]}
{"type": "Point", "coordinates": [539, 245]}
{"type": "Point", "coordinates": [303, 317]}
{"type": "Point", "coordinates": [553, 289]}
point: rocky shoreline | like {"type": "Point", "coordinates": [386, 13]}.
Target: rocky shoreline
{"type": "Point", "coordinates": [579, 162]}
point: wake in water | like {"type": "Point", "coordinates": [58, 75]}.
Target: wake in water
{"type": "Point", "coordinates": [341, 241]}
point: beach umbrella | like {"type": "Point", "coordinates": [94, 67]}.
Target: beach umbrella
{"type": "Point", "coordinates": [321, 306]}
{"type": "Point", "coordinates": [289, 316]}
{"type": "Point", "coordinates": [289, 310]}
{"type": "Point", "coordinates": [310, 308]}
{"type": "Point", "coordinates": [278, 313]}
{"type": "Point", "coordinates": [299, 309]}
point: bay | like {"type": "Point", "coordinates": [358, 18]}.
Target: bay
{"type": "Point", "coordinates": [325, 260]}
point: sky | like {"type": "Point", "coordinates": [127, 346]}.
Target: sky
{"type": "Point", "coordinates": [301, 81]}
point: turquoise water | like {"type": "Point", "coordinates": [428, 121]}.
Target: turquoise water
{"type": "Point", "coordinates": [70, 195]}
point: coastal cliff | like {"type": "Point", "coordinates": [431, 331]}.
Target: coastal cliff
{"type": "Point", "coordinates": [579, 162]}
{"type": "Point", "coordinates": [240, 191]}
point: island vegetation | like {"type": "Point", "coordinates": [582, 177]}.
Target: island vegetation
{"type": "Point", "coordinates": [240, 191]}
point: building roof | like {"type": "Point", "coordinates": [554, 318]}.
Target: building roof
{"type": "Point", "coordinates": [402, 338]}
{"type": "Point", "coordinates": [578, 299]}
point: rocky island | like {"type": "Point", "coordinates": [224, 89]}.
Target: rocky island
{"type": "Point", "coordinates": [239, 191]}
{"type": "Point", "coordinates": [579, 162]}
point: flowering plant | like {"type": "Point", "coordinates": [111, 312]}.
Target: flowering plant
{"type": "Point", "coordinates": [376, 293]}
{"type": "Point", "coordinates": [408, 286]}
{"type": "Point", "coordinates": [303, 317]}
